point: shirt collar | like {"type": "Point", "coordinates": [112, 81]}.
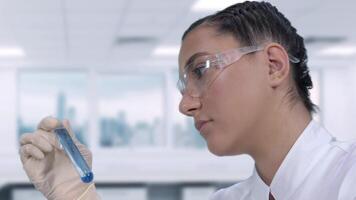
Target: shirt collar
{"type": "Point", "coordinates": [295, 166]}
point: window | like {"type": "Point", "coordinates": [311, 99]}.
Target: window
{"type": "Point", "coordinates": [59, 94]}
{"type": "Point", "coordinates": [131, 110]}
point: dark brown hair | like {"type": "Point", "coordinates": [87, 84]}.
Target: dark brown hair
{"type": "Point", "coordinates": [253, 23]}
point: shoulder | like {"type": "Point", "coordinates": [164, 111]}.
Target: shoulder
{"type": "Point", "coordinates": [347, 187]}
{"type": "Point", "coordinates": [239, 189]}
{"type": "Point", "coordinates": [348, 147]}
{"type": "Point", "coordinates": [226, 193]}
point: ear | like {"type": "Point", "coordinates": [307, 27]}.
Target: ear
{"type": "Point", "coordinates": [278, 64]}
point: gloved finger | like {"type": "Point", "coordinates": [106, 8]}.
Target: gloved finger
{"type": "Point", "coordinates": [50, 137]}
{"type": "Point", "coordinates": [36, 140]}
{"type": "Point", "coordinates": [48, 123]}
{"type": "Point", "coordinates": [29, 150]}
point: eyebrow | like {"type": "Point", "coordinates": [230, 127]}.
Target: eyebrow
{"type": "Point", "coordinates": [193, 57]}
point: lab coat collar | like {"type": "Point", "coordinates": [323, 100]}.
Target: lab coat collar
{"type": "Point", "coordinates": [296, 166]}
{"type": "Point", "coordinates": [258, 188]}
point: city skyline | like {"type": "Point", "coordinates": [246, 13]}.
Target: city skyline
{"type": "Point", "coordinates": [117, 132]}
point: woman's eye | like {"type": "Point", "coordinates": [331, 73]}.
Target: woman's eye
{"type": "Point", "coordinates": [198, 70]}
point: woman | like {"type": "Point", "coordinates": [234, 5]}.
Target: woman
{"type": "Point", "coordinates": [245, 81]}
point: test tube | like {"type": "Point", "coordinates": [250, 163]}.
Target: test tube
{"type": "Point", "coordinates": [73, 153]}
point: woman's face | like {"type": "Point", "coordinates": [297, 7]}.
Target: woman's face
{"type": "Point", "coordinates": [229, 112]}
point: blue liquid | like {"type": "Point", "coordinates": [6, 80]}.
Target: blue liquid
{"type": "Point", "coordinates": [88, 177]}
{"type": "Point", "coordinates": [74, 155]}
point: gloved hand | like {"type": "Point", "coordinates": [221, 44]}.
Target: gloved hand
{"type": "Point", "coordinates": [49, 168]}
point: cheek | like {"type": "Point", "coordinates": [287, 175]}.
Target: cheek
{"type": "Point", "coordinates": [234, 102]}
{"type": "Point", "coordinates": [234, 96]}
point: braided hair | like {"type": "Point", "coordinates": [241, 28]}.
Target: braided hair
{"type": "Point", "coordinates": [253, 23]}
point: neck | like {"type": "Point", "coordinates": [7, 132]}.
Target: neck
{"type": "Point", "coordinates": [279, 133]}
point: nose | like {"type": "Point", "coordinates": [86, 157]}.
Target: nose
{"type": "Point", "coordinates": [189, 105]}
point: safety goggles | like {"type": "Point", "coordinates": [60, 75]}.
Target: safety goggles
{"type": "Point", "coordinates": [201, 72]}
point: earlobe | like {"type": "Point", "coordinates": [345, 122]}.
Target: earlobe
{"type": "Point", "coordinates": [278, 64]}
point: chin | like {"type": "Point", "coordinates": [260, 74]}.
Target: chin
{"type": "Point", "coordinates": [223, 150]}
{"type": "Point", "coordinates": [219, 150]}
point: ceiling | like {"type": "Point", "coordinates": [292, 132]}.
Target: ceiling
{"type": "Point", "coordinates": [125, 33]}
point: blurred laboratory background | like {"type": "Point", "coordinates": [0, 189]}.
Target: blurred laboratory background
{"type": "Point", "coordinates": [110, 67]}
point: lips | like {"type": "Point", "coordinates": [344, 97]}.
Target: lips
{"type": "Point", "coordinates": [200, 123]}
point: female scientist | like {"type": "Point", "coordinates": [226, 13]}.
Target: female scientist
{"type": "Point", "coordinates": [245, 81]}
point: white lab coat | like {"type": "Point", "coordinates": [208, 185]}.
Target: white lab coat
{"type": "Point", "coordinates": [316, 168]}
